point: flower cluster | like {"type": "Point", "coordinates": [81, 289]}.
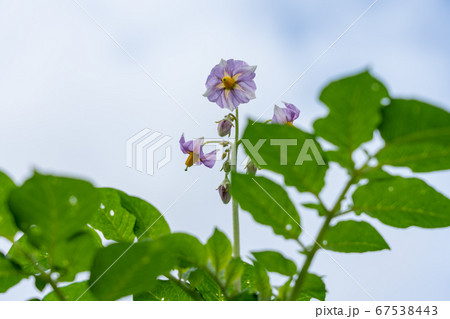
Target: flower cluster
{"type": "Point", "coordinates": [231, 83]}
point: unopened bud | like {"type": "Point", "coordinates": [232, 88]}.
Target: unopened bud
{"type": "Point", "coordinates": [226, 167]}
{"type": "Point", "coordinates": [224, 191]}
{"type": "Point", "coordinates": [224, 127]}
{"type": "Point", "coordinates": [251, 168]}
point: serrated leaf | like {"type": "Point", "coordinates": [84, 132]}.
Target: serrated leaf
{"type": "Point", "coordinates": [303, 164]}
{"type": "Point", "coordinates": [219, 249]}
{"type": "Point", "coordinates": [417, 136]}
{"type": "Point", "coordinates": [8, 226]}
{"type": "Point", "coordinates": [50, 209]}
{"type": "Point", "coordinates": [150, 223]}
{"type": "Point", "coordinates": [72, 292]}
{"type": "Point", "coordinates": [234, 271]}
{"type": "Point", "coordinates": [164, 290]}
{"type": "Point", "coordinates": [120, 270]}
{"type": "Point", "coordinates": [403, 202]}
{"type": "Point", "coordinates": [10, 274]}
{"type": "Point", "coordinates": [353, 237]}
{"type": "Point", "coordinates": [354, 103]}
{"type": "Point", "coordinates": [268, 203]}
{"type": "Point", "coordinates": [114, 221]}
{"type": "Point", "coordinates": [313, 287]}
{"type": "Point", "coordinates": [261, 281]}
{"type": "Point", "coordinates": [275, 262]}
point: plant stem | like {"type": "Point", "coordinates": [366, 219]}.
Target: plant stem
{"type": "Point", "coordinates": [44, 275]}
{"type": "Point", "coordinates": [310, 256]}
{"type": "Point", "coordinates": [191, 292]}
{"type": "Point", "coordinates": [236, 236]}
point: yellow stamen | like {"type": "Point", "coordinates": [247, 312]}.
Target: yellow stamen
{"type": "Point", "coordinates": [290, 124]}
{"type": "Point", "coordinates": [190, 160]}
{"type": "Point", "coordinates": [228, 82]}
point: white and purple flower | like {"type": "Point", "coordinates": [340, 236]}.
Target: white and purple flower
{"type": "Point", "coordinates": [230, 83]}
{"type": "Point", "coordinates": [194, 148]}
{"type": "Point", "coordinates": [285, 115]}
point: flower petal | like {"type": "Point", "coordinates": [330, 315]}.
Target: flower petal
{"type": "Point", "coordinates": [209, 159]}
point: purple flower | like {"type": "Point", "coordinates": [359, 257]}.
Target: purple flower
{"type": "Point", "coordinates": [195, 150]}
{"type": "Point", "coordinates": [231, 83]}
{"type": "Point", "coordinates": [285, 115]}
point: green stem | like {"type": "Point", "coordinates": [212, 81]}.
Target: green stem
{"type": "Point", "coordinates": [194, 294]}
{"type": "Point", "coordinates": [236, 236]}
{"type": "Point", "coordinates": [44, 275]}
{"type": "Point", "coordinates": [310, 256]}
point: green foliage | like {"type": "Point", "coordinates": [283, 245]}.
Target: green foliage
{"type": "Point", "coordinates": [61, 218]}
{"type": "Point", "coordinates": [52, 209]}
{"type": "Point", "coordinates": [403, 202]}
{"type": "Point", "coordinates": [313, 288]}
{"type": "Point", "coordinates": [273, 261]}
{"type": "Point", "coordinates": [268, 203]}
{"type": "Point", "coordinates": [8, 227]}
{"type": "Point", "coordinates": [73, 292]}
{"type": "Point", "coordinates": [10, 274]}
{"type": "Point", "coordinates": [164, 290]}
{"type": "Point", "coordinates": [261, 281]}
{"type": "Point", "coordinates": [114, 221]}
{"type": "Point", "coordinates": [219, 249]}
{"type": "Point", "coordinates": [417, 136]}
{"type": "Point", "coordinates": [354, 103]}
{"type": "Point", "coordinates": [353, 237]}
{"type": "Point", "coordinates": [303, 166]}
{"type": "Point", "coordinates": [120, 270]}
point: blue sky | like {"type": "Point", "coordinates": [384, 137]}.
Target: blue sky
{"type": "Point", "coordinates": [69, 99]}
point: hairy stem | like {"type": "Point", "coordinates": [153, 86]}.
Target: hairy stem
{"type": "Point", "coordinates": [194, 294]}
{"type": "Point", "coordinates": [236, 236]}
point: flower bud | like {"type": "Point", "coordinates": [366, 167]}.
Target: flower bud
{"type": "Point", "coordinates": [224, 191]}
{"type": "Point", "coordinates": [226, 167]}
{"type": "Point", "coordinates": [251, 168]}
{"type": "Point", "coordinates": [224, 127]}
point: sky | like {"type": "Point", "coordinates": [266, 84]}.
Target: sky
{"type": "Point", "coordinates": [77, 82]}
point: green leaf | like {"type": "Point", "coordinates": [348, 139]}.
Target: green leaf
{"type": "Point", "coordinates": [114, 221]}
{"type": "Point", "coordinates": [248, 278]}
{"type": "Point", "coordinates": [354, 103]}
{"type": "Point", "coordinates": [261, 281]}
{"type": "Point", "coordinates": [22, 248]}
{"type": "Point", "coordinates": [204, 284]}
{"type": "Point", "coordinates": [76, 254]}
{"type": "Point", "coordinates": [284, 290]}
{"type": "Point", "coordinates": [417, 136]}
{"type": "Point", "coordinates": [72, 292]}
{"type": "Point", "coordinates": [51, 209]}
{"type": "Point", "coordinates": [10, 274]}
{"type": "Point", "coordinates": [267, 202]}
{"type": "Point", "coordinates": [164, 290]}
{"type": "Point", "coordinates": [120, 269]}
{"type": "Point", "coordinates": [234, 271]}
{"type": "Point", "coordinates": [8, 226]}
{"type": "Point", "coordinates": [187, 250]}
{"type": "Point", "coordinates": [275, 262]}
{"type": "Point", "coordinates": [341, 158]}
{"type": "Point", "coordinates": [220, 250]}
{"type": "Point", "coordinates": [301, 159]}
{"type": "Point", "coordinates": [319, 208]}
{"type": "Point", "coordinates": [403, 202]}
{"type": "Point", "coordinates": [150, 223]}
{"type": "Point", "coordinates": [313, 287]}
{"type": "Point", "coordinates": [353, 237]}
